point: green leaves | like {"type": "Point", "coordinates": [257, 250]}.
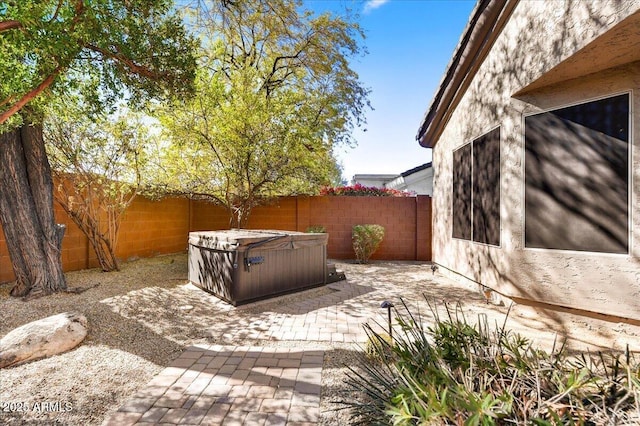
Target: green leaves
{"type": "Point", "coordinates": [458, 372]}
{"type": "Point", "coordinates": [366, 239]}
{"type": "Point", "coordinates": [135, 49]}
{"type": "Point", "coordinates": [274, 96]}
{"type": "Point", "coordinates": [97, 162]}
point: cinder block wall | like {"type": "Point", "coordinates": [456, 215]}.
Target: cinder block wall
{"type": "Point", "coordinates": [207, 216]}
{"type": "Point", "coordinates": [404, 240]}
{"type": "Point", "coordinates": [150, 228]}
{"type": "Point", "coordinates": [281, 214]}
{"type": "Point", "coordinates": [76, 250]}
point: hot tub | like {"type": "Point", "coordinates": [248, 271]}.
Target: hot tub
{"type": "Point", "coordinates": [241, 265]}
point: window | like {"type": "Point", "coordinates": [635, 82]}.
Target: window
{"type": "Point", "coordinates": [577, 177]}
{"type": "Point", "coordinates": [476, 190]}
{"type": "Point", "coordinates": [462, 193]}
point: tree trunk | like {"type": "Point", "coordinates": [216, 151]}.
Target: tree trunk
{"type": "Point", "coordinates": [102, 246]}
{"type": "Point", "coordinates": [26, 213]}
{"type": "Point", "coordinates": [105, 253]}
{"type": "Point", "coordinates": [239, 216]}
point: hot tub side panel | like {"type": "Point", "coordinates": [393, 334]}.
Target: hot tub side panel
{"type": "Point", "coordinates": [279, 272]}
{"type": "Point", "coordinates": [213, 271]}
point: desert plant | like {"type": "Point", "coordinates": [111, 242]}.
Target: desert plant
{"type": "Point", "coordinates": [316, 229]}
{"type": "Point", "coordinates": [366, 240]}
{"type": "Point", "coordinates": [378, 347]}
{"type": "Point", "coordinates": [97, 162]}
{"type": "Point", "coordinates": [457, 372]}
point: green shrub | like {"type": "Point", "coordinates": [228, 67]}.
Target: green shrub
{"type": "Point", "coordinates": [316, 229]}
{"type": "Point", "coordinates": [366, 240]}
{"type": "Point", "coordinates": [455, 372]}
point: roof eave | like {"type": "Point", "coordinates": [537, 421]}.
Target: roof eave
{"type": "Point", "coordinates": [416, 169]}
{"type": "Point", "coordinates": [486, 22]}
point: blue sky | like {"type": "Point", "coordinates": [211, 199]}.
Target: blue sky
{"type": "Point", "coordinates": [410, 43]}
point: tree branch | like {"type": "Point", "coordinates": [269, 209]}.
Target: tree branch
{"type": "Point", "coordinates": [269, 82]}
{"type": "Point", "coordinates": [7, 100]}
{"type": "Point", "coordinates": [137, 69]}
{"type": "Point", "coordinates": [29, 96]}
{"type": "Point", "coordinates": [9, 25]}
{"type": "Point", "coordinates": [55, 14]}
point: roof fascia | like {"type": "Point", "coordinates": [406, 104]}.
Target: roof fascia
{"type": "Point", "coordinates": [487, 21]}
{"type": "Point", "coordinates": [416, 169]}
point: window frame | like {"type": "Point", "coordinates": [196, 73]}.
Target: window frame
{"type": "Point", "coordinates": [453, 190]}
{"type": "Point", "coordinates": [630, 178]}
{"type": "Point", "coordinates": [470, 143]}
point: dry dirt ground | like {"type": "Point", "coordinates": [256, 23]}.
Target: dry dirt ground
{"type": "Point", "coordinates": [143, 317]}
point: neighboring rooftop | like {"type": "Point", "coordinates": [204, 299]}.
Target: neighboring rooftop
{"type": "Point", "coordinates": [418, 179]}
{"type": "Point", "coordinates": [421, 167]}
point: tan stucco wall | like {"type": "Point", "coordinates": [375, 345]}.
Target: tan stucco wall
{"type": "Point", "coordinates": [539, 36]}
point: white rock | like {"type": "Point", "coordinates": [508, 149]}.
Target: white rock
{"type": "Point", "coordinates": [43, 338]}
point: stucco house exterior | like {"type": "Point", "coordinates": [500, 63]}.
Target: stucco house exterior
{"type": "Point", "coordinates": [377, 180]}
{"type": "Point", "coordinates": [418, 180]}
{"type": "Point", "coordinates": [535, 133]}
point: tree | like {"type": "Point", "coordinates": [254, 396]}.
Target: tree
{"type": "Point", "coordinates": [47, 48]}
{"type": "Point", "coordinates": [274, 95]}
{"type": "Point", "coordinates": [96, 163]}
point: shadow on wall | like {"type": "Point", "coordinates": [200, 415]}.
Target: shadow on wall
{"type": "Point", "coordinates": [569, 201]}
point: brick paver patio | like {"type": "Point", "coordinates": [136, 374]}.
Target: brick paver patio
{"type": "Point", "coordinates": [213, 385]}
{"type": "Point", "coordinates": [225, 384]}
{"type": "Point", "coordinates": [255, 385]}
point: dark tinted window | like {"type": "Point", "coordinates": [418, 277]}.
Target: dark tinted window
{"type": "Point", "coordinates": [476, 190]}
{"type": "Point", "coordinates": [486, 188]}
{"type": "Point", "coordinates": [576, 177]}
{"type": "Point", "coordinates": [462, 193]}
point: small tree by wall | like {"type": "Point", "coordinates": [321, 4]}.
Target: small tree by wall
{"type": "Point", "coordinates": [96, 163]}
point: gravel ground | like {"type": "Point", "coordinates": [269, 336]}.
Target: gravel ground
{"type": "Point", "coordinates": [143, 317]}
{"type": "Point", "coordinates": [128, 344]}
{"type": "Point", "coordinates": [116, 358]}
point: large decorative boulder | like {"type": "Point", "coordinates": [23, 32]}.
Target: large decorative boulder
{"type": "Point", "coordinates": [43, 338]}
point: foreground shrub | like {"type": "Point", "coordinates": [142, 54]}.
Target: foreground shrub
{"type": "Point", "coordinates": [455, 372]}
{"type": "Point", "coordinates": [379, 347]}
{"type": "Point", "coordinates": [366, 240]}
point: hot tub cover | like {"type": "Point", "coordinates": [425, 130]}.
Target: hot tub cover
{"type": "Point", "coordinates": [241, 240]}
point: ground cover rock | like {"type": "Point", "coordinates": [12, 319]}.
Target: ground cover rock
{"type": "Point", "coordinates": [43, 338]}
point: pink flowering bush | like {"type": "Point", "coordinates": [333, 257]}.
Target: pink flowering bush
{"type": "Point", "coordinates": [359, 190]}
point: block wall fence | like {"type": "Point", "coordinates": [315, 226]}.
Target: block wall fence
{"type": "Point", "coordinates": [150, 228]}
